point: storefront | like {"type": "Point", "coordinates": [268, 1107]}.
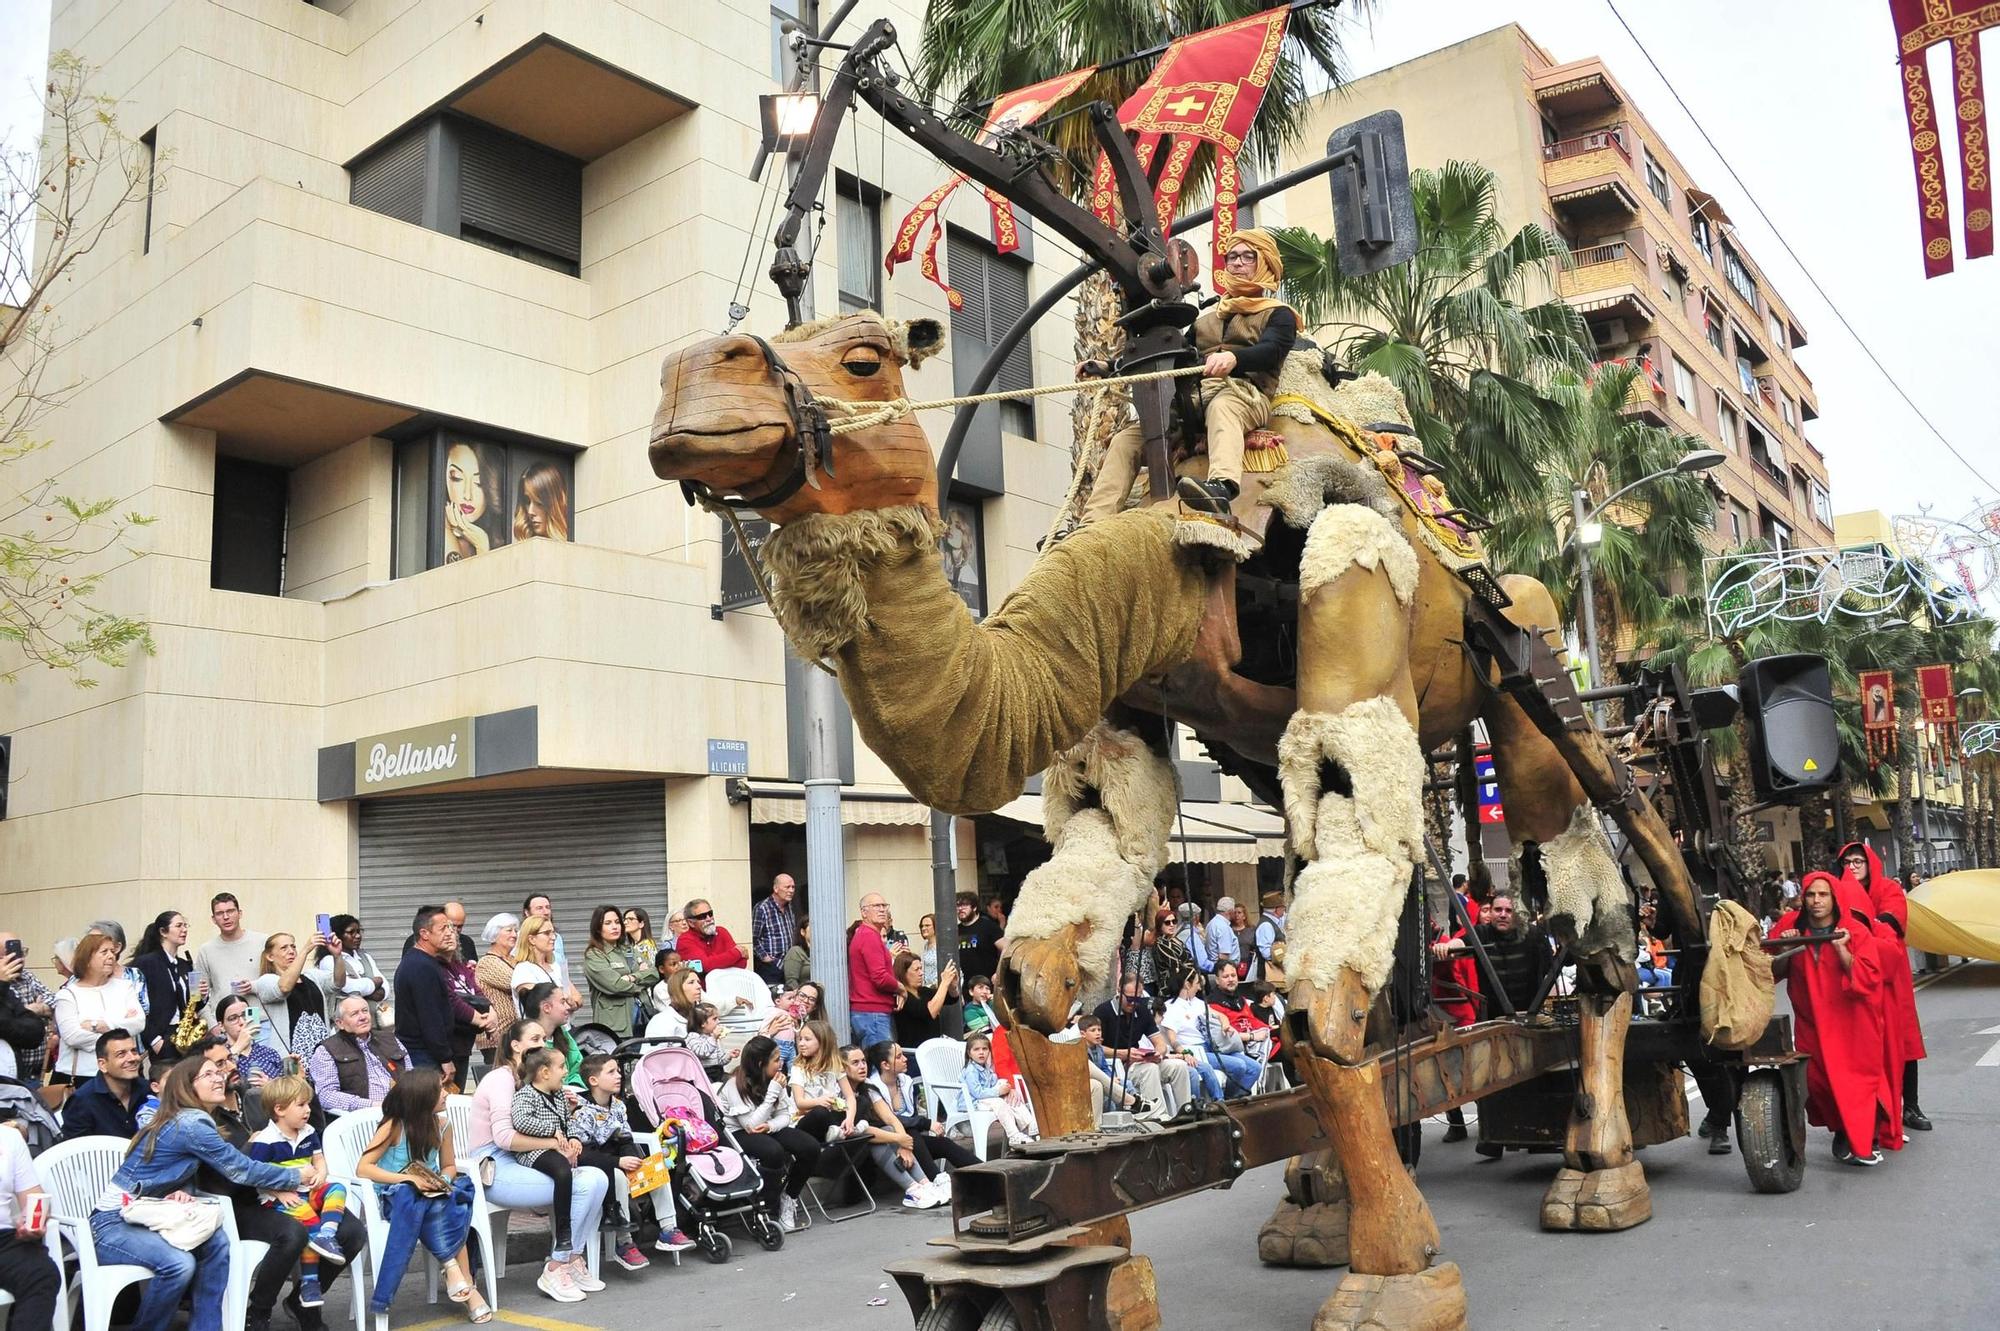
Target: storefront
{"type": "Point", "coordinates": [504, 831]}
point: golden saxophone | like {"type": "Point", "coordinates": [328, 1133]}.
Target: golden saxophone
{"type": "Point", "coordinates": [192, 1027]}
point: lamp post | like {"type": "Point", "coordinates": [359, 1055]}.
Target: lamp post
{"type": "Point", "coordinates": [1585, 531]}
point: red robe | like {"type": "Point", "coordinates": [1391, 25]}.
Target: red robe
{"type": "Point", "coordinates": [1839, 1027]}
{"type": "Point", "coordinates": [1883, 894]}
{"type": "Point", "coordinates": [1455, 982]}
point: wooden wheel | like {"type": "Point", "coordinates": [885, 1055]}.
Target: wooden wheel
{"type": "Point", "coordinates": [1768, 1154]}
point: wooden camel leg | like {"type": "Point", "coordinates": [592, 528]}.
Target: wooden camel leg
{"type": "Point", "coordinates": [1353, 772]}
{"type": "Point", "coordinates": [1109, 804]}
{"type": "Point", "coordinates": [1555, 829]}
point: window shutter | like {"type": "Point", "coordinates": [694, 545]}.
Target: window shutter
{"type": "Point", "coordinates": [513, 189]}
{"type": "Point", "coordinates": [392, 181]}
{"type": "Point", "coordinates": [1006, 302]}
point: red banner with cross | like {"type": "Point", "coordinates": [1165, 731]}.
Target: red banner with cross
{"type": "Point", "coordinates": [1920, 25]}
{"type": "Point", "coordinates": [1010, 111]}
{"type": "Point", "coordinates": [1940, 704]}
{"type": "Point", "coordinates": [1878, 713]}
{"type": "Point", "coordinates": [1206, 89]}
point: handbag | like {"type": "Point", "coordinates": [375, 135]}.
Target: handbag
{"type": "Point", "coordinates": [186, 1225]}
{"type": "Point", "coordinates": [429, 1182]}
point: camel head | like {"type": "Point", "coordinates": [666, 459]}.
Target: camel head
{"type": "Point", "coordinates": [731, 417]}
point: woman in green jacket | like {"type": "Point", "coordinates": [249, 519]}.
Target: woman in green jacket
{"type": "Point", "coordinates": [611, 972]}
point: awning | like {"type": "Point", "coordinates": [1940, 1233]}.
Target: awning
{"type": "Point", "coordinates": [1265, 825]}
{"type": "Point", "coordinates": [1608, 192]}
{"type": "Point", "coordinates": [1574, 96]}
{"type": "Point", "coordinates": [1707, 205]}
{"type": "Point", "coordinates": [786, 804]}
{"type": "Point", "coordinates": [1198, 836]}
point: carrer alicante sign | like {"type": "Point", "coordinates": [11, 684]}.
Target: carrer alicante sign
{"type": "Point", "coordinates": [421, 756]}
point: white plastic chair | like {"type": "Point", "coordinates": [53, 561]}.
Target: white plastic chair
{"type": "Point", "coordinates": [245, 1256]}
{"type": "Point", "coordinates": [941, 1065]}
{"type": "Point", "coordinates": [489, 1218]}
{"type": "Point", "coordinates": [724, 987]}
{"type": "Point", "coordinates": [73, 1173]}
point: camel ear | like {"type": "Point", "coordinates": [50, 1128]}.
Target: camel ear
{"type": "Point", "coordinates": [916, 340]}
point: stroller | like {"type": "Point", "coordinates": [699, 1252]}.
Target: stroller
{"type": "Point", "coordinates": [712, 1179]}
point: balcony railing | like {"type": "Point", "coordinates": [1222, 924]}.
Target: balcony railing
{"type": "Point", "coordinates": [1610, 252]}
{"type": "Point", "coordinates": [1595, 141]}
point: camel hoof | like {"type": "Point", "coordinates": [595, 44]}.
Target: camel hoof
{"type": "Point", "coordinates": [1432, 1300]}
{"type": "Point", "coordinates": [1336, 1019]}
{"type": "Point", "coordinates": [1599, 1200]}
{"type": "Point", "coordinates": [1042, 979]}
{"type": "Point", "coordinates": [1314, 1235]}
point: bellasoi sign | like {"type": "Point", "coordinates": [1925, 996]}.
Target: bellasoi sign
{"type": "Point", "coordinates": [420, 756]}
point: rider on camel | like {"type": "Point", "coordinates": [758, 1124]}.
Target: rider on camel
{"type": "Point", "coordinates": [1246, 337]}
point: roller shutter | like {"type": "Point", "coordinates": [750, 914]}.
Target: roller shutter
{"type": "Point", "coordinates": [520, 192]}
{"type": "Point", "coordinates": [585, 846]}
{"type": "Point", "coordinates": [392, 180]}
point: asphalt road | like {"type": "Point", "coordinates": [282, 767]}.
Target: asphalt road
{"type": "Point", "coordinates": [1907, 1245]}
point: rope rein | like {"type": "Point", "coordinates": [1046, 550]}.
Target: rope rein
{"type": "Point", "coordinates": [866, 415]}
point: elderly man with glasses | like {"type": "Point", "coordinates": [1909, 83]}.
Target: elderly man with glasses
{"type": "Point", "coordinates": [707, 944]}
{"type": "Point", "coordinates": [1245, 338]}
{"type": "Point", "coordinates": [872, 991]}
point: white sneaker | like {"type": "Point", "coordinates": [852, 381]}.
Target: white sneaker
{"type": "Point", "coordinates": [555, 1282]}
{"type": "Point", "coordinates": [941, 1185]}
{"type": "Point", "coordinates": [919, 1199]}
{"type": "Point", "coordinates": [788, 1215]}
{"type": "Point", "coordinates": [579, 1275]}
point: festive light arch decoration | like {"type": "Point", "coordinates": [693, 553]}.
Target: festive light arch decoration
{"type": "Point", "coordinates": [1979, 737]}
{"type": "Point", "coordinates": [1820, 584]}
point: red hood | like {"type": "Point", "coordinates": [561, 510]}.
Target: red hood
{"type": "Point", "coordinates": [1849, 900]}
{"type": "Point", "coordinates": [1884, 892]}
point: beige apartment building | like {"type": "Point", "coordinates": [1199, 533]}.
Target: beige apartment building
{"type": "Point", "coordinates": [1659, 271]}
{"type": "Point", "coordinates": [380, 355]}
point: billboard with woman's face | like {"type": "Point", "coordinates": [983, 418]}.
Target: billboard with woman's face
{"type": "Point", "coordinates": [483, 495]}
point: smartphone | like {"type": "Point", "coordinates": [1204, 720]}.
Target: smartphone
{"type": "Point", "coordinates": [16, 950]}
{"type": "Point", "coordinates": [323, 925]}
{"type": "Point", "coordinates": [294, 1066]}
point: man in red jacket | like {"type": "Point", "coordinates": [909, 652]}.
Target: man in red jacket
{"type": "Point", "coordinates": [872, 990]}
{"type": "Point", "coordinates": [1885, 900]}
{"type": "Point", "coordinates": [707, 943]}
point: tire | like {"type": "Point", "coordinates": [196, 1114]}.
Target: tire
{"type": "Point", "coordinates": [956, 1312]}
{"type": "Point", "coordinates": [1000, 1317]}
{"type": "Point", "coordinates": [1768, 1157]}
{"type": "Point", "coordinates": [716, 1246]}
{"type": "Point", "coordinates": [770, 1233]}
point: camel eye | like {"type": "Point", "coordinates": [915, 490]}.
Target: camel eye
{"type": "Point", "coordinates": [862, 362]}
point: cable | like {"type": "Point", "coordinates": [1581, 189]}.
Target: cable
{"type": "Point", "coordinates": [1866, 350]}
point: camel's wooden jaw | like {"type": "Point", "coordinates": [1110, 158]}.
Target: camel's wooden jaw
{"type": "Point", "coordinates": [731, 418]}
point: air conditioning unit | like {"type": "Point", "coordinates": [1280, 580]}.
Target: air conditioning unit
{"type": "Point", "coordinates": [1614, 334]}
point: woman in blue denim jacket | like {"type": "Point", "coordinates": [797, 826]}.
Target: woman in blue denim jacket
{"type": "Point", "coordinates": [165, 1155]}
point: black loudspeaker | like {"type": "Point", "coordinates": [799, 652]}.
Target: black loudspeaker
{"type": "Point", "coordinates": [1794, 741]}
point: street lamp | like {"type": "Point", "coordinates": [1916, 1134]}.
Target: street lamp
{"type": "Point", "coordinates": [1586, 531]}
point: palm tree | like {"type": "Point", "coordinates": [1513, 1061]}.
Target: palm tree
{"type": "Point", "coordinates": [1598, 448]}
{"type": "Point", "coordinates": [974, 50]}
{"type": "Point", "coordinates": [1454, 329]}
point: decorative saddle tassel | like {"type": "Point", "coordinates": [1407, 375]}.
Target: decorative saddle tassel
{"type": "Point", "coordinates": [1264, 450]}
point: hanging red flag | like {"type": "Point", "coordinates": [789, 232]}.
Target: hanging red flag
{"type": "Point", "coordinates": [1011, 110]}
{"type": "Point", "coordinates": [1206, 89]}
{"type": "Point", "coordinates": [1939, 702]}
{"type": "Point", "coordinates": [1920, 25]}
{"type": "Point", "coordinates": [1878, 713]}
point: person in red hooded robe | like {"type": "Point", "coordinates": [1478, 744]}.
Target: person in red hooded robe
{"type": "Point", "coordinates": [1887, 904]}
{"type": "Point", "coordinates": [1833, 981]}
{"type": "Point", "coordinates": [1455, 989]}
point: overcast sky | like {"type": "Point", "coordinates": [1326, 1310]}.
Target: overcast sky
{"type": "Point", "coordinates": [1802, 96]}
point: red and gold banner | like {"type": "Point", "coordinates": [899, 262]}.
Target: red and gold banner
{"type": "Point", "coordinates": [1940, 704]}
{"type": "Point", "coordinates": [1206, 89]}
{"type": "Point", "coordinates": [1920, 25]}
{"type": "Point", "coordinates": [1011, 110]}
{"type": "Point", "coordinates": [1878, 713]}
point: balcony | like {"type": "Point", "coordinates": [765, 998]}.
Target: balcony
{"type": "Point", "coordinates": [1597, 269]}
{"type": "Point", "coordinates": [1596, 141]}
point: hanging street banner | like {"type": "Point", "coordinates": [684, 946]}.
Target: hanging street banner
{"type": "Point", "coordinates": [1939, 702]}
{"type": "Point", "coordinates": [1878, 713]}
{"type": "Point", "coordinates": [1010, 111]}
{"type": "Point", "coordinates": [1206, 89]}
{"type": "Point", "coordinates": [1920, 25]}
